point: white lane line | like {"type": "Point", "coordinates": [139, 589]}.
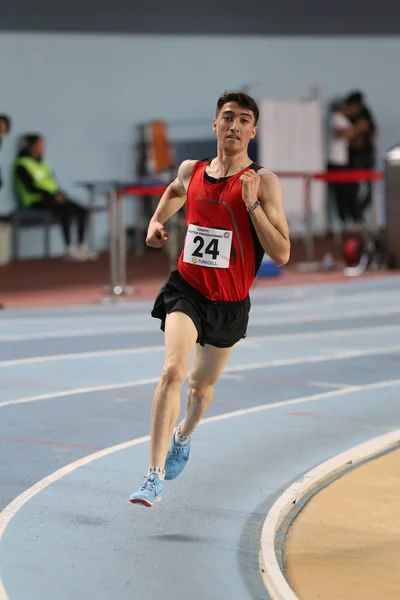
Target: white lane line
{"type": "Point", "coordinates": [233, 369]}
{"type": "Point", "coordinates": [338, 316]}
{"type": "Point", "coordinates": [274, 580]}
{"type": "Point", "coordinates": [327, 333]}
{"type": "Point", "coordinates": [327, 384]}
{"type": "Point", "coordinates": [329, 299]}
{"type": "Point", "coordinates": [52, 313]}
{"type": "Point", "coordinates": [18, 503]}
{"type": "Point", "coordinates": [78, 319]}
{"type": "Point", "coordinates": [81, 355]}
{"type": "Point", "coordinates": [234, 377]}
{"type": "Point", "coordinates": [77, 391]}
{"type": "Point", "coordinates": [323, 384]}
{"type": "Point", "coordinates": [254, 320]}
{"type": "Point", "coordinates": [250, 341]}
{"type": "Point", "coordinates": [68, 333]}
{"type": "Point", "coordinates": [140, 310]}
{"type": "Point", "coordinates": [314, 359]}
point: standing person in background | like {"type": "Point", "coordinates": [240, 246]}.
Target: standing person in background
{"type": "Point", "coordinates": [362, 150]}
{"type": "Point", "coordinates": [341, 133]}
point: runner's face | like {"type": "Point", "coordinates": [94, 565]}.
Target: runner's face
{"type": "Point", "coordinates": [38, 149]}
{"type": "Point", "coordinates": [235, 127]}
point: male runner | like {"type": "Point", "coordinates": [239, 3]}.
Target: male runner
{"type": "Point", "coordinates": [234, 213]}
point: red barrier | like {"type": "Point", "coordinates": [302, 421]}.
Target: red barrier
{"type": "Point", "coordinates": [143, 190]}
{"type": "Point", "coordinates": [307, 177]}
{"type": "Point", "coordinates": [350, 176]}
{"type": "Point", "coordinates": [338, 176]}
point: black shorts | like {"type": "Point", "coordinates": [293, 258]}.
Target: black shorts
{"type": "Point", "coordinates": [220, 324]}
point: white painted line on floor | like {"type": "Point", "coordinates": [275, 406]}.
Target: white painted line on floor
{"type": "Point", "coordinates": [18, 503]}
{"type": "Point", "coordinates": [234, 377]}
{"type": "Point", "coordinates": [314, 397]}
{"type": "Point", "coordinates": [324, 299]}
{"type": "Point", "coordinates": [326, 333]}
{"type": "Point", "coordinates": [250, 341]}
{"type": "Point", "coordinates": [327, 384]}
{"type": "Point", "coordinates": [52, 313]}
{"type": "Point", "coordinates": [328, 349]}
{"type": "Point", "coordinates": [77, 391]}
{"type": "Point", "coordinates": [335, 316]}
{"type": "Point", "coordinates": [78, 319]}
{"type": "Point", "coordinates": [81, 355]}
{"type": "Point", "coordinates": [70, 333]}
{"type": "Point", "coordinates": [142, 309]}
{"type": "Point", "coordinates": [233, 369]}
{"type": "Point", "coordinates": [274, 580]}
{"type": "Point", "coordinates": [323, 384]}
{"type": "Point", "coordinates": [313, 359]}
{"type": "Point", "coordinates": [254, 321]}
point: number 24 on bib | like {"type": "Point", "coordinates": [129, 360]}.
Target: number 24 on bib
{"type": "Point", "coordinates": [207, 247]}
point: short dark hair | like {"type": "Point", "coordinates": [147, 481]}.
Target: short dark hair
{"type": "Point", "coordinates": [26, 142]}
{"type": "Point", "coordinates": [244, 101]}
{"type": "Point", "coordinates": [354, 98]}
{"type": "Point", "coordinates": [7, 121]}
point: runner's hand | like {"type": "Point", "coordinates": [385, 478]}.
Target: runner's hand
{"type": "Point", "coordinates": [156, 235]}
{"type": "Point", "coordinates": [250, 185]}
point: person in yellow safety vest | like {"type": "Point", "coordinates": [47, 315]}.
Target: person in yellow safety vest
{"type": "Point", "coordinates": [37, 189]}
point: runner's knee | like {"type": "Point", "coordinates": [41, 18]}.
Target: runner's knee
{"type": "Point", "coordinates": [173, 373]}
{"type": "Point", "coordinates": [200, 392]}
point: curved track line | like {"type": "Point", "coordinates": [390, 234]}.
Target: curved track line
{"type": "Point", "coordinates": [274, 580]}
{"type": "Point", "coordinates": [15, 505]}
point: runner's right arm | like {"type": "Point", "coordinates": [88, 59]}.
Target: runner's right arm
{"type": "Point", "coordinates": [170, 203]}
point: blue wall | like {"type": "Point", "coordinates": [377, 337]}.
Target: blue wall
{"type": "Point", "coordinates": [86, 93]}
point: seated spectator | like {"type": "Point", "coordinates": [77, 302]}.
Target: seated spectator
{"type": "Point", "coordinates": [37, 189]}
{"type": "Point", "coordinates": [5, 126]}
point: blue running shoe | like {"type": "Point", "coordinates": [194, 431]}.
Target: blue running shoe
{"type": "Point", "coordinates": [177, 457]}
{"type": "Point", "coordinates": [149, 492]}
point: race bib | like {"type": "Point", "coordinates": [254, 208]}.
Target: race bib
{"type": "Point", "coordinates": [207, 247]}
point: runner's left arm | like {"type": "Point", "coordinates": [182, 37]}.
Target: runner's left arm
{"type": "Point", "coordinates": [262, 191]}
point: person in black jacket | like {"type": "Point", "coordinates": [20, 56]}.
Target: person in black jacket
{"type": "Point", "coordinates": [362, 150]}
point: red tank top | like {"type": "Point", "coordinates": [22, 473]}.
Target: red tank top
{"type": "Point", "coordinates": [222, 252]}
